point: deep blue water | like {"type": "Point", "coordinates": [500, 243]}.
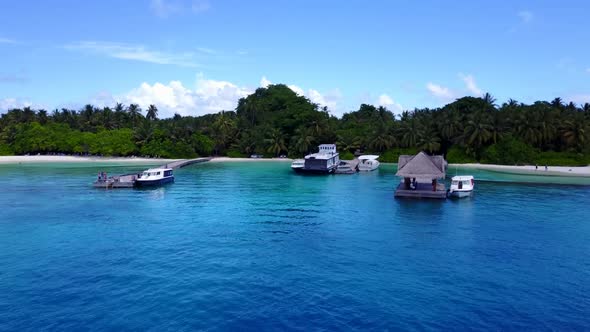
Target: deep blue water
{"type": "Point", "coordinates": [251, 246]}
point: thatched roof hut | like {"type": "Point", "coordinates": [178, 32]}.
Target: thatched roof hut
{"type": "Point", "coordinates": [421, 166]}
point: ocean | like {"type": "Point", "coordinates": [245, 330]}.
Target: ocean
{"type": "Point", "coordinates": [253, 246]}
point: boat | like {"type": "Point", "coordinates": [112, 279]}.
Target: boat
{"type": "Point", "coordinates": [325, 161]}
{"type": "Point", "coordinates": [298, 164]}
{"type": "Point", "coordinates": [461, 186]}
{"type": "Point", "coordinates": [155, 177]}
{"type": "Point", "coordinates": [346, 167]}
{"type": "Point", "coordinates": [368, 162]}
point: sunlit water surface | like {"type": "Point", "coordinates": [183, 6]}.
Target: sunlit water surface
{"type": "Point", "coordinates": [252, 246]}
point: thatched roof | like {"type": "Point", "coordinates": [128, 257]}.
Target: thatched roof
{"type": "Point", "coordinates": [421, 166]}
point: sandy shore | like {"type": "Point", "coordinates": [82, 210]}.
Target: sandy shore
{"type": "Point", "coordinates": [74, 159]}
{"type": "Point", "coordinates": [226, 159]}
{"type": "Point", "coordinates": [530, 170]}
{"type": "Point", "coordinates": [525, 170]}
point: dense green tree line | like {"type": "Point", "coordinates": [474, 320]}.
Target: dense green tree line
{"type": "Point", "coordinates": [275, 121]}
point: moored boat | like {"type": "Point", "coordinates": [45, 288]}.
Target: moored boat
{"type": "Point", "coordinates": [461, 186]}
{"type": "Point", "coordinates": [368, 162]}
{"type": "Point", "coordinates": [155, 177]}
{"type": "Point", "coordinates": [297, 165]}
{"type": "Point", "coordinates": [325, 161]}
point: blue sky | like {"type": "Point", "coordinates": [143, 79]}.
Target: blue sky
{"type": "Point", "coordinates": [200, 56]}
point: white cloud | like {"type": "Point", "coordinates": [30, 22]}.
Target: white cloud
{"type": "Point", "coordinates": [209, 96]}
{"type": "Point", "coordinates": [134, 52]}
{"type": "Point", "coordinates": [526, 16]}
{"type": "Point", "coordinates": [297, 90]}
{"type": "Point", "coordinates": [388, 102]}
{"type": "Point", "coordinates": [264, 82]}
{"type": "Point", "coordinates": [440, 92]}
{"type": "Point", "coordinates": [167, 8]}
{"type": "Point", "coordinates": [10, 103]}
{"type": "Point", "coordinates": [329, 99]}
{"type": "Point", "coordinates": [470, 84]}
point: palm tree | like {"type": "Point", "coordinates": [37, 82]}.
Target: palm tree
{"type": "Point", "coordinates": [489, 100]}
{"type": "Point", "coordinates": [574, 132]}
{"type": "Point", "coordinates": [410, 132]}
{"type": "Point", "coordinates": [477, 131]}
{"type": "Point", "coordinates": [429, 141]}
{"type": "Point", "coordinates": [557, 103]}
{"type": "Point", "coordinates": [152, 113]}
{"type": "Point", "coordinates": [348, 143]}
{"type": "Point", "coordinates": [276, 142]}
{"type": "Point", "coordinates": [303, 140]}
{"type": "Point", "coordinates": [134, 112]}
{"type": "Point", "coordinates": [42, 116]}
{"type": "Point", "coordinates": [143, 133]}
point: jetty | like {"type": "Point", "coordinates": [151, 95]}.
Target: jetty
{"type": "Point", "coordinates": [128, 180]}
{"type": "Point", "coordinates": [421, 173]}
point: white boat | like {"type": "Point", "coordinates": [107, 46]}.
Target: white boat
{"type": "Point", "coordinates": [325, 161]}
{"type": "Point", "coordinates": [297, 164]}
{"type": "Point", "coordinates": [155, 177]}
{"type": "Point", "coordinates": [345, 167]}
{"type": "Point", "coordinates": [368, 162]}
{"type": "Point", "coordinates": [461, 186]}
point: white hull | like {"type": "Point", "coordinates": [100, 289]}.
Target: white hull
{"type": "Point", "coordinates": [367, 169]}
{"type": "Point", "coordinates": [461, 194]}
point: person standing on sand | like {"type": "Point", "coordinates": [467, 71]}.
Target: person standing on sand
{"type": "Point", "coordinates": [546, 168]}
{"type": "Point", "coordinates": [536, 167]}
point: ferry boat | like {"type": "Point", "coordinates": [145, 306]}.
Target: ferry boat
{"type": "Point", "coordinates": [461, 186]}
{"type": "Point", "coordinates": [368, 162]}
{"type": "Point", "coordinates": [155, 177]}
{"type": "Point", "coordinates": [325, 161]}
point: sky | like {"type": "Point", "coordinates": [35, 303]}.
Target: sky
{"type": "Point", "coordinates": [194, 57]}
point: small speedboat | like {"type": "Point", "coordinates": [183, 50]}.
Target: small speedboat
{"type": "Point", "coordinates": [297, 165]}
{"type": "Point", "coordinates": [346, 167]}
{"type": "Point", "coordinates": [461, 186]}
{"type": "Point", "coordinates": [154, 177]}
{"type": "Point", "coordinates": [368, 162]}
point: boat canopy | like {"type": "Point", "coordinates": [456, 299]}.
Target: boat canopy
{"type": "Point", "coordinates": [462, 178]}
{"type": "Point", "coordinates": [368, 157]}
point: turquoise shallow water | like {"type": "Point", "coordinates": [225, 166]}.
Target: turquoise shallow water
{"type": "Point", "coordinates": [253, 246]}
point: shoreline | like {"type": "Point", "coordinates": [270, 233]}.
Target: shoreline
{"type": "Point", "coordinates": [41, 159]}
{"type": "Point", "coordinates": [568, 171]}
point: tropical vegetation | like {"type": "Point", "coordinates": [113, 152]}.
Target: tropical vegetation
{"type": "Point", "coordinates": [275, 121]}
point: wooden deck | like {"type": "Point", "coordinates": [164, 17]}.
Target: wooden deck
{"type": "Point", "coordinates": [128, 180]}
{"type": "Point", "coordinates": [424, 190]}
{"type": "Point", "coordinates": [184, 162]}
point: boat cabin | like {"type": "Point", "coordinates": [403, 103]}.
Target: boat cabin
{"type": "Point", "coordinates": [326, 160]}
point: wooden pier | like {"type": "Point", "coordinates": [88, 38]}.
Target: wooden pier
{"type": "Point", "coordinates": [128, 180]}
{"type": "Point", "coordinates": [423, 190]}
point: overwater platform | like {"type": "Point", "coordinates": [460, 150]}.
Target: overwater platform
{"type": "Point", "coordinates": [128, 180]}
{"type": "Point", "coordinates": [423, 190]}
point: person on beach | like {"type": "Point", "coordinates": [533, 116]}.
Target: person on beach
{"type": "Point", "coordinates": [546, 168]}
{"type": "Point", "coordinates": [536, 167]}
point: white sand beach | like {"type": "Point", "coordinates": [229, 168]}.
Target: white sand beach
{"type": "Point", "coordinates": [531, 170]}
{"type": "Point", "coordinates": [228, 159]}
{"type": "Point", "coordinates": [75, 159]}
